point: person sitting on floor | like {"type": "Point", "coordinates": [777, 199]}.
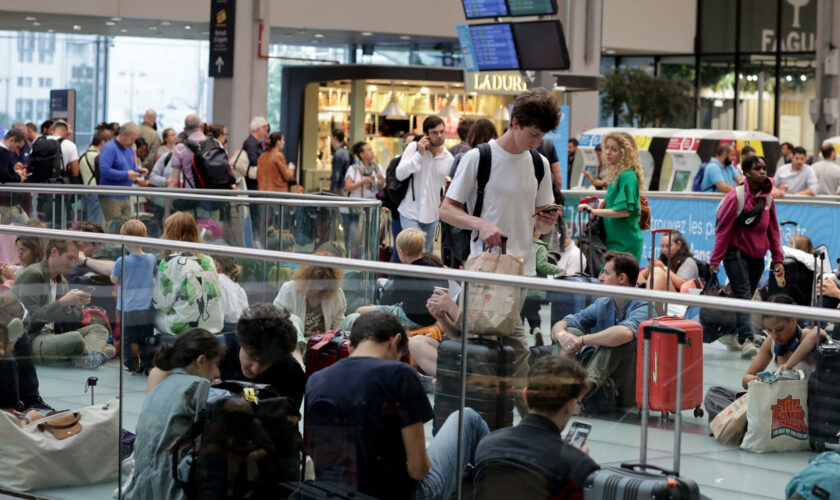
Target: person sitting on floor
{"type": "Point", "coordinates": [558, 468]}
{"type": "Point", "coordinates": [674, 261]}
{"type": "Point", "coordinates": [610, 324]}
{"type": "Point", "coordinates": [15, 377]}
{"type": "Point", "coordinates": [787, 347]}
{"type": "Point", "coordinates": [54, 310]}
{"type": "Point", "coordinates": [405, 297]}
{"type": "Point", "coordinates": [365, 416]}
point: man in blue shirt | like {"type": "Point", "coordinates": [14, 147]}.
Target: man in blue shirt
{"type": "Point", "coordinates": [118, 167]}
{"type": "Point", "coordinates": [610, 324]}
{"type": "Point", "coordinates": [720, 174]}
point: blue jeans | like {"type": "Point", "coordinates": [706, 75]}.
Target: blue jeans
{"type": "Point", "coordinates": [441, 480]}
{"type": "Point", "coordinates": [93, 212]}
{"type": "Point", "coordinates": [429, 229]}
{"type": "Point", "coordinates": [743, 272]}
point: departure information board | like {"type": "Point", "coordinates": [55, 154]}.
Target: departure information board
{"type": "Point", "coordinates": [494, 47]}
{"type": "Point", "coordinates": [531, 7]}
{"type": "Point", "coordinates": [478, 9]}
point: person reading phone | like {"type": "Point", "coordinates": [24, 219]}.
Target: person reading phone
{"type": "Point", "coordinates": [556, 468]}
{"type": "Point", "coordinates": [55, 311]}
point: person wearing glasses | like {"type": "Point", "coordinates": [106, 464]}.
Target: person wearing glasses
{"type": "Point", "coordinates": [425, 164]}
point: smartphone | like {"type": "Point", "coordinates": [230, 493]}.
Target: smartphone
{"type": "Point", "coordinates": [578, 433]}
{"type": "Point", "coordinates": [90, 289]}
{"type": "Point", "coordinates": [442, 289]}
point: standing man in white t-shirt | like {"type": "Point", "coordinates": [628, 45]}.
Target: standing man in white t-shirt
{"type": "Point", "coordinates": [511, 197]}
{"type": "Point", "coordinates": [827, 172]}
{"type": "Point", "coordinates": [428, 162]}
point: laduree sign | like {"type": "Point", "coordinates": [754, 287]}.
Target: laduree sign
{"type": "Point", "coordinates": [495, 82]}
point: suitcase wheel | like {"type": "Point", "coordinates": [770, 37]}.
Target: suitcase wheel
{"type": "Point", "coordinates": [698, 412]}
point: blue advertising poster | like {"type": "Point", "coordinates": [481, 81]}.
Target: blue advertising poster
{"type": "Point", "coordinates": [560, 137]}
{"type": "Point", "coordinates": [467, 51]}
{"type": "Point", "coordinates": [695, 219]}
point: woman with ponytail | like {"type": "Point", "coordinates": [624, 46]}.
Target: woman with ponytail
{"type": "Point", "coordinates": [170, 409]}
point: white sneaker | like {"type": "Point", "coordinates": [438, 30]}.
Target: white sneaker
{"type": "Point", "coordinates": [748, 349]}
{"type": "Point", "coordinates": [731, 342]}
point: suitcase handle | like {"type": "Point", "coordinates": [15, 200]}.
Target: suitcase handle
{"type": "Point", "coordinates": [670, 330]}
{"type": "Point", "coordinates": [585, 201]}
{"type": "Point", "coordinates": [665, 472]}
{"type": "Point", "coordinates": [662, 230]}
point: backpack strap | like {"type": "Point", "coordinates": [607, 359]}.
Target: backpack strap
{"type": "Point", "coordinates": [740, 196]}
{"type": "Point", "coordinates": [91, 168]}
{"type": "Point", "coordinates": [539, 166]}
{"type": "Point", "coordinates": [485, 159]}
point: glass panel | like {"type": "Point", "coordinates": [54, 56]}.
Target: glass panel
{"type": "Point", "coordinates": [717, 76]}
{"type": "Point", "coordinates": [681, 70]}
{"type": "Point", "coordinates": [798, 89]}
{"type": "Point", "coordinates": [756, 86]}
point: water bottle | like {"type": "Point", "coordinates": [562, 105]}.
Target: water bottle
{"type": "Point", "coordinates": [780, 280]}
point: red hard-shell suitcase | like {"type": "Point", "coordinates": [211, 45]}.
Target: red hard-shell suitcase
{"type": "Point", "coordinates": [663, 372]}
{"type": "Point", "coordinates": [663, 351]}
{"type": "Point", "coordinates": [325, 349]}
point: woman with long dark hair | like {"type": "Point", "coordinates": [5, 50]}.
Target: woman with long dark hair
{"type": "Point", "coordinates": [675, 260]}
{"type": "Point", "coordinates": [170, 409]}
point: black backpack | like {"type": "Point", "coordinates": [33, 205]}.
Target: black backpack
{"type": "Point", "coordinates": [395, 190]}
{"type": "Point", "coordinates": [243, 444]}
{"type": "Point", "coordinates": [46, 162]}
{"type": "Point", "coordinates": [211, 168]}
{"type": "Point", "coordinates": [457, 240]}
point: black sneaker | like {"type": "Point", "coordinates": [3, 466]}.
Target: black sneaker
{"type": "Point", "coordinates": [38, 404]}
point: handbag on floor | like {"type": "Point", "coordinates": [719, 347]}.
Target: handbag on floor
{"type": "Point", "coordinates": [70, 448]}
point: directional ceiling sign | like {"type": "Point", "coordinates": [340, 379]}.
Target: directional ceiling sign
{"type": "Point", "coordinates": [222, 20]}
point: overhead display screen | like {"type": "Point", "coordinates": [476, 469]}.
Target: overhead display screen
{"type": "Point", "coordinates": [494, 46]}
{"type": "Point", "coordinates": [541, 45]}
{"type": "Point", "coordinates": [531, 7]}
{"type": "Point", "coordinates": [482, 9]}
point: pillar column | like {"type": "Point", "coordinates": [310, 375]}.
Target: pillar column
{"type": "Point", "coordinates": [236, 100]}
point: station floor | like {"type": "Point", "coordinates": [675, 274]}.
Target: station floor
{"type": "Point", "coordinates": [722, 472]}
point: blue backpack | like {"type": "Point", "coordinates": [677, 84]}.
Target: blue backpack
{"type": "Point", "coordinates": [698, 179]}
{"type": "Point", "coordinates": [818, 480]}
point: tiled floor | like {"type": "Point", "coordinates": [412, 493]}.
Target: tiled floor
{"type": "Point", "coordinates": [723, 472]}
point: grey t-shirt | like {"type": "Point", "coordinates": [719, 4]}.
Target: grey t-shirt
{"type": "Point", "coordinates": [688, 269]}
{"type": "Point", "coordinates": [828, 177]}
{"type": "Point", "coordinates": [796, 181]}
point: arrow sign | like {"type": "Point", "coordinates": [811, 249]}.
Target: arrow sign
{"type": "Point", "coordinates": [222, 22]}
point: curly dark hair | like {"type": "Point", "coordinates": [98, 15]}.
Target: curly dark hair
{"type": "Point", "coordinates": [266, 333]}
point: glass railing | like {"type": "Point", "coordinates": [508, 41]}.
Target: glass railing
{"type": "Point", "coordinates": [368, 424]}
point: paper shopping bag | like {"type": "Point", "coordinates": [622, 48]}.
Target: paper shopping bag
{"type": "Point", "coordinates": [493, 309]}
{"type": "Point", "coordinates": [777, 415]}
{"type": "Point", "coordinates": [729, 425]}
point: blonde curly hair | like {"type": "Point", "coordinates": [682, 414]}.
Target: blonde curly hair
{"type": "Point", "coordinates": [629, 158]}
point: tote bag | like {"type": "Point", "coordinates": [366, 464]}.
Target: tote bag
{"type": "Point", "coordinates": [777, 415]}
{"type": "Point", "coordinates": [493, 309]}
{"type": "Point", "coordinates": [71, 448]}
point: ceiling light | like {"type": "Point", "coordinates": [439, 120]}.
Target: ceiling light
{"type": "Point", "coordinates": [153, 28]}
{"type": "Point", "coordinates": [76, 27]}
{"type": "Point", "coordinates": [803, 78]}
{"type": "Point", "coordinates": [187, 27]}
{"type": "Point", "coordinates": [118, 19]}
{"type": "Point", "coordinates": [502, 114]}
{"type": "Point", "coordinates": [393, 111]}
{"type": "Point", "coordinates": [424, 90]}
{"type": "Point", "coordinates": [123, 30]}
{"type": "Point", "coordinates": [110, 23]}
{"type": "Point", "coordinates": [300, 32]}
{"type": "Point", "coordinates": [789, 78]}
{"type": "Point", "coordinates": [405, 37]}
{"type": "Point", "coordinates": [405, 83]}
{"type": "Point", "coordinates": [318, 35]}
{"type": "Point", "coordinates": [371, 88]}
{"type": "Point", "coordinates": [29, 18]}
{"type": "Point", "coordinates": [165, 23]}
{"type": "Point", "coordinates": [50, 30]}
{"type": "Point", "coordinates": [367, 33]}
{"type": "Point", "coordinates": [36, 23]}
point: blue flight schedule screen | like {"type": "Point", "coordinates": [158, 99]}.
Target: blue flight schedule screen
{"type": "Point", "coordinates": [477, 9]}
{"type": "Point", "coordinates": [494, 47]}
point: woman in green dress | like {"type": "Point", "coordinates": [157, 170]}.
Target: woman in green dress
{"type": "Point", "coordinates": [622, 206]}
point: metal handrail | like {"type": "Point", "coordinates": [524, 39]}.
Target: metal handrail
{"type": "Point", "coordinates": [195, 194]}
{"type": "Point", "coordinates": [821, 200]}
{"type": "Point", "coordinates": [564, 286]}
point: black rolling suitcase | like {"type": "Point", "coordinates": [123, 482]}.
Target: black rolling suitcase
{"type": "Point", "coordinates": [631, 481]}
{"type": "Point", "coordinates": [824, 383]}
{"type": "Point", "coordinates": [489, 377]}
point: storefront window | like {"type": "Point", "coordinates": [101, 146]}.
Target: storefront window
{"type": "Point", "coordinates": [798, 89]}
{"type": "Point", "coordinates": [756, 93]}
{"type": "Point", "coordinates": [717, 77]}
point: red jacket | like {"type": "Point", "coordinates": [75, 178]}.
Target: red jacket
{"type": "Point", "coordinates": [754, 241]}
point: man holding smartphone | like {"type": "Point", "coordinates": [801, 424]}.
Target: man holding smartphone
{"type": "Point", "coordinates": [427, 162]}
{"type": "Point", "coordinates": [557, 468]}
